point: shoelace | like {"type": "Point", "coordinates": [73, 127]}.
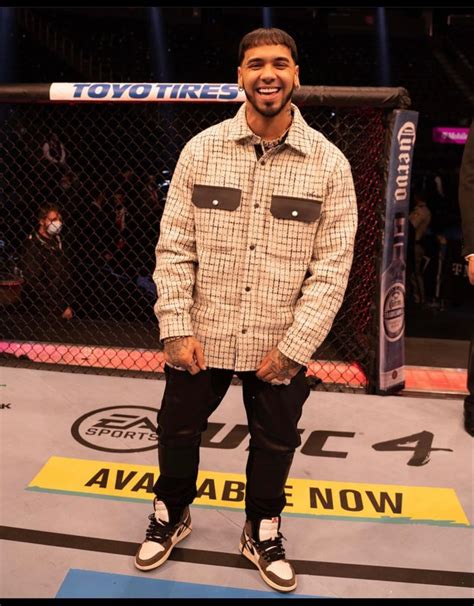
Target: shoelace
{"type": "Point", "coordinates": [272, 549]}
{"type": "Point", "coordinates": [159, 531]}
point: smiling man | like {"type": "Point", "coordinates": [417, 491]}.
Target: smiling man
{"type": "Point", "coordinates": [253, 260]}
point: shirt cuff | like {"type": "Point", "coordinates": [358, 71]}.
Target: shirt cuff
{"type": "Point", "coordinates": [175, 326]}
{"type": "Point", "coordinates": [301, 355]}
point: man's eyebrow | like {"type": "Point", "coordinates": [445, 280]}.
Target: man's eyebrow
{"type": "Point", "coordinates": [274, 59]}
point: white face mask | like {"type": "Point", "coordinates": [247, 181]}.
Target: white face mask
{"type": "Point", "coordinates": [54, 228]}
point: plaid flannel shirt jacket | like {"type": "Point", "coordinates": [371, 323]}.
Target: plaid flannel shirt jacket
{"type": "Point", "coordinates": [255, 253]}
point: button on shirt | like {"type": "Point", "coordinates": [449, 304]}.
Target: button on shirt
{"type": "Point", "coordinates": [255, 254]}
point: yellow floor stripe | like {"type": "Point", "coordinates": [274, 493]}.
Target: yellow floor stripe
{"type": "Point", "coordinates": [305, 496]}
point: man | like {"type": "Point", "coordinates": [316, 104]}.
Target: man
{"type": "Point", "coordinates": [420, 219]}
{"type": "Point", "coordinates": [253, 260]}
{"type": "Point", "coordinates": [45, 268]}
{"type": "Point", "coordinates": [466, 204]}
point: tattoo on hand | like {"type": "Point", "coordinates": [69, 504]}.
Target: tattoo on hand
{"type": "Point", "coordinates": [176, 348]}
{"type": "Point", "coordinates": [283, 366]}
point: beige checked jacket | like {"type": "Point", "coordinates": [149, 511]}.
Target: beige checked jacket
{"type": "Point", "coordinates": [255, 254]}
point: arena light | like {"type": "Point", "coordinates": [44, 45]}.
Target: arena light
{"type": "Point", "coordinates": [158, 46]}
{"type": "Point", "coordinates": [382, 47]}
{"type": "Point", "coordinates": [267, 16]}
{"type": "Point", "coordinates": [6, 43]}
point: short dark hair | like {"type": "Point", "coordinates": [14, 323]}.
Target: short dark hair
{"type": "Point", "coordinates": [44, 211]}
{"type": "Point", "coordinates": [267, 35]}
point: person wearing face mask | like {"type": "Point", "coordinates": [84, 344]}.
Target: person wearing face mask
{"type": "Point", "coordinates": [45, 268]}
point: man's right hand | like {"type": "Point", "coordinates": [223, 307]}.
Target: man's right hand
{"type": "Point", "coordinates": [185, 353]}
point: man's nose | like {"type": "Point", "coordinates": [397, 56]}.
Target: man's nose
{"type": "Point", "coordinates": [268, 73]}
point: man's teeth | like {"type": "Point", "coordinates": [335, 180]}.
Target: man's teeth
{"type": "Point", "coordinates": [267, 91]}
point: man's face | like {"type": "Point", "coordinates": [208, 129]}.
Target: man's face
{"type": "Point", "coordinates": [268, 75]}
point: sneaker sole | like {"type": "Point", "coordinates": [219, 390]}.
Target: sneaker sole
{"type": "Point", "coordinates": [175, 541]}
{"type": "Point", "coordinates": [273, 585]}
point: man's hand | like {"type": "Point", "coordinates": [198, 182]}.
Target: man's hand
{"type": "Point", "coordinates": [185, 353]}
{"type": "Point", "coordinates": [470, 270]}
{"type": "Point", "coordinates": [277, 368]}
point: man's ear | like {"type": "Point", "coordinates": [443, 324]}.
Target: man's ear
{"type": "Point", "coordinates": [239, 77]}
{"type": "Point", "coordinates": [297, 77]}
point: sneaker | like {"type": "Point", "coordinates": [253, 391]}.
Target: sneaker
{"type": "Point", "coordinates": [268, 555]}
{"type": "Point", "coordinates": [161, 537]}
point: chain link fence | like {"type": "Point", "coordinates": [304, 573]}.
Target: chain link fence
{"type": "Point", "coordinates": [107, 167]}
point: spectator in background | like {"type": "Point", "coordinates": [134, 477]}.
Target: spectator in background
{"type": "Point", "coordinates": [67, 196]}
{"type": "Point", "coordinates": [153, 204]}
{"type": "Point", "coordinates": [151, 196]}
{"type": "Point", "coordinates": [128, 184]}
{"type": "Point", "coordinates": [438, 183]}
{"type": "Point", "coordinates": [45, 268]}
{"type": "Point", "coordinates": [420, 219]}
{"type": "Point", "coordinates": [54, 161]}
{"type": "Point", "coordinates": [54, 151]}
{"type": "Point", "coordinates": [466, 205]}
{"type": "Point", "coordinates": [102, 233]}
{"type": "Point", "coordinates": [120, 210]}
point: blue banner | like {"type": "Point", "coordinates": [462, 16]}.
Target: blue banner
{"type": "Point", "coordinates": [391, 311]}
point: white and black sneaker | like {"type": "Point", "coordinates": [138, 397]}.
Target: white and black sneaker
{"type": "Point", "coordinates": [161, 537]}
{"type": "Point", "coordinates": [268, 554]}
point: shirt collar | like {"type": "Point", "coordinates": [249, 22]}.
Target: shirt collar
{"type": "Point", "coordinates": [298, 135]}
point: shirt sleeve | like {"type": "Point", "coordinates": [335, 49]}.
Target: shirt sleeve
{"type": "Point", "coordinates": [323, 289]}
{"type": "Point", "coordinates": [176, 256]}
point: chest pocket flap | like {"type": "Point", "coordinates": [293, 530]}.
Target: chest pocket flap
{"type": "Point", "coordinates": [296, 209]}
{"type": "Point", "coordinates": [210, 196]}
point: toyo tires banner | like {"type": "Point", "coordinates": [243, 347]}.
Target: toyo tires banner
{"type": "Point", "coordinates": [134, 92]}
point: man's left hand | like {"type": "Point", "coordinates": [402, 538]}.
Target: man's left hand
{"type": "Point", "coordinates": [277, 368]}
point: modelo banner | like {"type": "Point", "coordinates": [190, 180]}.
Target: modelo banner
{"type": "Point", "coordinates": [391, 312]}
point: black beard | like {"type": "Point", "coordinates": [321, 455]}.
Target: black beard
{"type": "Point", "coordinates": [270, 112]}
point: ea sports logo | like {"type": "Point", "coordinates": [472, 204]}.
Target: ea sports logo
{"type": "Point", "coordinates": [117, 429]}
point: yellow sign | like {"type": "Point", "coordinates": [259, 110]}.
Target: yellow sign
{"type": "Point", "coordinates": [217, 489]}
